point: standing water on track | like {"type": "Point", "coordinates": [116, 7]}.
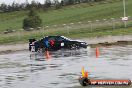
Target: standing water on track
{"type": "Point", "coordinates": [62, 70]}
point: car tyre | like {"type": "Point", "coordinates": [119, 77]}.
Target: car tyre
{"type": "Point", "coordinates": [74, 46]}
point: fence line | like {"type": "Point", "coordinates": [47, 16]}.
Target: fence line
{"type": "Point", "coordinates": [112, 23]}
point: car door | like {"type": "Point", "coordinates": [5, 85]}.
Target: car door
{"type": "Point", "coordinates": [52, 42]}
{"type": "Point", "coordinates": [60, 42]}
{"type": "Point", "coordinates": [64, 42]}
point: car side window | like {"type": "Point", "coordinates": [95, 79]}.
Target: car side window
{"type": "Point", "coordinates": [60, 38]}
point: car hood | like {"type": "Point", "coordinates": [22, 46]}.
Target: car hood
{"type": "Point", "coordinates": [78, 41]}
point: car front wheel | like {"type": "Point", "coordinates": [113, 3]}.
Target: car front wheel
{"type": "Point", "coordinates": [74, 46]}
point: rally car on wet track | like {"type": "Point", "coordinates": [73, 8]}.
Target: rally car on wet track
{"type": "Point", "coordinates": [52, 43]}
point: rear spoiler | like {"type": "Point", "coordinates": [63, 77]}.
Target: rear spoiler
{"type": "Point", "coordinates": [31, 45]}
{"type": "Point", "coordinates": [31, 40]}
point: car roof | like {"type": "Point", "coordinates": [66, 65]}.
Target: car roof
{"type": "Point", "coordinates": [54, 36]}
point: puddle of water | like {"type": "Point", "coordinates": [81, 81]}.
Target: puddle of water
{"type": "Point", "coordinates": [62, 70]}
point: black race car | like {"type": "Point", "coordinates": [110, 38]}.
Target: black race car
{"type": "Point", "coordinates": [55, 43]}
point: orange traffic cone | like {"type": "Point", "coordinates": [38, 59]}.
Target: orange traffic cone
{"type": "Point", "coordinates": [97, 52]}
{"type": "Point", "coordinates": [47, 54]}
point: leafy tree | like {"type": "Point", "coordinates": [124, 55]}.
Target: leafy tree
{"type": "Point", "coordinates": [77, 1]}
{"type": "Point", "coordinates": [98, 0]}
{"type": "Point", "coordinates": [3, 7]}
{"type": "Point", "coordinates": [70, 2]}
{"type": "Point", "coordinates": [47, 3]}
{"type": "Point", "coordinates": [62, 3]}
{"type": "Point", "coordinates": [32, 21]}
{"type": "Point", "coordinates": [57, 4]}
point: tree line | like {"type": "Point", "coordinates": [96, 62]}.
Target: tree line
{"type": "Point", "coordinates": [47, 4]}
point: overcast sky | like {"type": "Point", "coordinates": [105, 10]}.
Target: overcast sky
{"type": "Point", "coordinates": [18, 1]}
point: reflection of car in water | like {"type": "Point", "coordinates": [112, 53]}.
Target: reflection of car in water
{"type": "Point", "coordinates": [52, 43]}
{"type": "Point", "coordinates": [59, 54]}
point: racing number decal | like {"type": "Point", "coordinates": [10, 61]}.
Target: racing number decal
{"type": "Point", "coordinates": [62, 44]}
